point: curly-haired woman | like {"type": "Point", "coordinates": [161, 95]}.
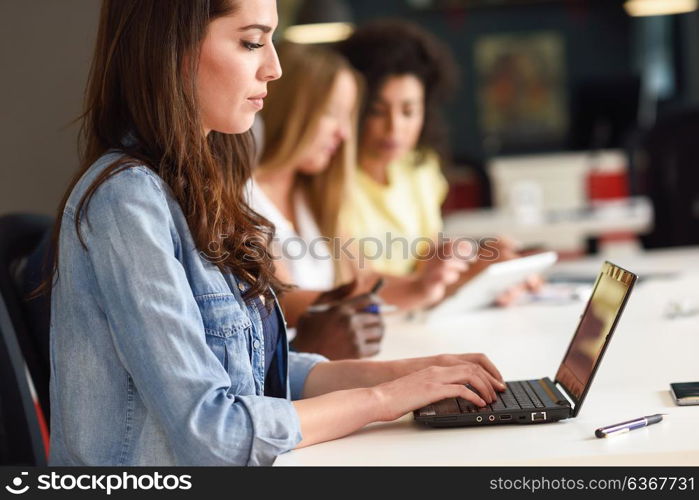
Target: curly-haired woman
{"type": "Point", "coordinates": [399, 187]}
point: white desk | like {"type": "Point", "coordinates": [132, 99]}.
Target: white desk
{"type": "Point", "coordinates": [647, 352]}
{"type": "Point", "coordinates": [562, 230]}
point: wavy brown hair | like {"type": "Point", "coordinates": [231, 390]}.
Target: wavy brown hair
{"type": "Point", "coordinates": [140, 99]}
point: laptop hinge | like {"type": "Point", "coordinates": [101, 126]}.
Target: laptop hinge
{"type": "Point", "coordinates": [566, 395]}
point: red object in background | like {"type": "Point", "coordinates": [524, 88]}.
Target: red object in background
{"type": "Point", "coordinates": [41, 418]}
{"type": "Point", "coordinates": [43, 427]}
{"type": "Point", "coordinates": [607, 185]}
{"type": "Point", "coordinates": [465, 192]}
{"type": "Point", "coordinates": [610, 185]}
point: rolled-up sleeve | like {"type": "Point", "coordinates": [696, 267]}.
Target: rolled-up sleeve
{"type": "Point", "coordinates": [158, 333]}
{"type": "Point", "coordinates": [300, 365]}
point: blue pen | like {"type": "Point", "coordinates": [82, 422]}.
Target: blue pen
{"type": "Point", "coordinates": [377, 286]}
{"type": "Point", "coordinates": [380, 308]}
{"type": "Point", "coordinates": [371, 308]}
{"type": "Point", "coordinates": [375, 308]}
{"type": "Point", "coordinates": [629, 425]}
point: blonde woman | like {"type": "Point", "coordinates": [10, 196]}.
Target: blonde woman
{"type": "Point", "coordinates": [300, 185]}
{"type": "Point", "coordinates": [308, 156]}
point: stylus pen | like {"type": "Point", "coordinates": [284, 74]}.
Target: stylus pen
{"type": "Point", "coordinates": [380, 308]}
{"type": "Point", "coordinates": [637, 423]}
{"type": "Point", "coordinates": [371, 308]}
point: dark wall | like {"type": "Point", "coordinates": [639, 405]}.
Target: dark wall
{"type": "Point", "coordinates": [45, 51]}
{"type": "Point", "coordinates": [598, 45]}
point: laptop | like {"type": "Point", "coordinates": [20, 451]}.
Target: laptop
{"type": "Point", "coordinates": [543, 400]}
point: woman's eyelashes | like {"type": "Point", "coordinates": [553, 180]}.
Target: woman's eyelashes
{"type": "Point", "coordinates": [252, 45]}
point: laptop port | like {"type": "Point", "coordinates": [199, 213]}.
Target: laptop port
{"type": "Point", "coordinates": [505, 417]}
{"type": "Point", "coordinates": [479, 419]}
{"type": "Point", "coordinates": [539, 416]}
{"type": "Point", "coordinates": [446, 419]}
{"type": "Point", "coordinates": [491, 418]}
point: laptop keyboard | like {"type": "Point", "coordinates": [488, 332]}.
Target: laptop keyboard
{"type": "Point", "coordinates": [518, 395]}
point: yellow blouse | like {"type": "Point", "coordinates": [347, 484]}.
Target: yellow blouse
{"type": "Point", "coordinates": [392, 224]}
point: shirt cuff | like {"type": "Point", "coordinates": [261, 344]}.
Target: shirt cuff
{"type": "Point", "coordinates": [276, 427]}
{"type": "Point", "coordinates": [300, 365]}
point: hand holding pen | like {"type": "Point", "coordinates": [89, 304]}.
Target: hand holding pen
{"type": "Point", "coordinates": [342, 326]}
{"type": "Point", "coordinates": [376, 307]}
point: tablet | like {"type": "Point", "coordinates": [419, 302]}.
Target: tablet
{"type": "Point", "coordinates": [495, 279]}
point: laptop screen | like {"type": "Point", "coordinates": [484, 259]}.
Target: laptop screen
{"type": "Point", "coordinates": [594, 330]}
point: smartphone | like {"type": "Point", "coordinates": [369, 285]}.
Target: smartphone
{"type": "Point", "coordinates": [685, 393]}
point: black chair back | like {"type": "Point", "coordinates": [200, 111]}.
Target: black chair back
{"type": "Point", "coordinates": [669, 175]}
{"type": "Point", "coordinates": [23, 350]}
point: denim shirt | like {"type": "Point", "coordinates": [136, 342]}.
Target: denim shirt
{"type": "Point", "coordinates": [155, 357]}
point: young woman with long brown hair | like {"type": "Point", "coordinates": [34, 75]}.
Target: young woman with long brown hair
{"type": "Point", "coordinates": [167, 343]}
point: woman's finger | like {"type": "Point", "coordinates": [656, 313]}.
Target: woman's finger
{"type": "Point", "coordinates": [373, 334]}
{"type": "Point", "coordinates": [468, 374]}
{"type": "Point", "coordinates": [483, 385]}
{"type": "Point", "coordinates": [366, 320]}
{"type": "Point", "coordinates": [489, 366]}
{"type": "Point", "coordinates": [461, 391]}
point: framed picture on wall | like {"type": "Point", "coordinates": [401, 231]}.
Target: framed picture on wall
{"type": "Point", "coordinates": [521, 91]}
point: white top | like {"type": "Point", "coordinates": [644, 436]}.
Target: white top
{"type": "Point", "coordinates": [305, 254]}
